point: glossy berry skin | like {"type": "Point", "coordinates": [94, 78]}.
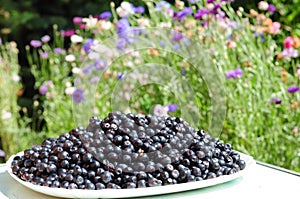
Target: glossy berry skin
{"type": "Point", "coordinates": [127, 151]}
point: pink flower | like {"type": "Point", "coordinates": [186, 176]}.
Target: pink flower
{"type": "Point", "coordinates": [275, 28]}
{"type": "Point", "coordinates": [295, 130]}
{"type": "Point", "coordinates": [82, 26]}
{"type": "Point", "coordinates": [35, 43]}
{"type": "Point", "coordinates": [288, 42]}
{"type": "Point", "coordinates": [43, 89]}
{"type": "Point", "coordinates": [77, 20]}
{"type": "Point", "coordinates": [290, 53]}
{"type": "Point", "coordinates": [45, 38]}
{"type": "Point", "coordinates": [298, 72]}
{"type": "Point", "coordinates": [68, 33]}
{"type": "Point", "coordinates": [44, 55]}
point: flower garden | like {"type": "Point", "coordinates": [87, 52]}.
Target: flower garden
{"type": "Point", "coordinates": [232, 72]}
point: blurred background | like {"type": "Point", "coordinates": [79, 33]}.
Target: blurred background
{"type": "Point", "coordinates": [22, 21]}
{"type": "Point", "coordinates": [27, 20]}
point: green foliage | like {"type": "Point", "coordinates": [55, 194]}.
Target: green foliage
{"type": "Point", "coordinates": [254, 124]}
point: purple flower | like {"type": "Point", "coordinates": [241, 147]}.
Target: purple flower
{"type": "Point", "coordinates": [177, 36]}
{"type": "Point", "coordinates": [234, 73]}
{"type": "Point", "coordinates": [35, 43]}
{"type": "Point", "coordinates": [227, 1]}
{"type": "Point", "coordinates": [172, 107]}
{"type": "Point", "coordinates": [78, 95]}
{"type": "Point", "coordinates": [58, 50]}
{"type": "Point", "coordinates": [77, 81]}
{"type": "Point", "coordinates": [200, 13]}
{"type": "Point", "coordinates": [183, 13]}
{"type": "Point", "coordinates": [271, 8]}
{"type": "Point", "coordinates": [162, 5]}
{"type": "Point", "coordinates": [260, 35]}
{"type": "Point", "coordinates": [230, 74]}
{"type": "Point", "coordinates": [44, 55]}
{"type": "Point", "coordinates": [100, 64]}
{"type": "Point", "coordinates": [119, 76]}
{"type": "Point", "coordinates": [193, 1]}
{"type": "Point", "coordinates": [183, 72]}
{"type": "Point", "coordinates": [121, 44]}
{"type": "Point", "coordinates": [230, 36]}
{"type": "Point", "coordinates": [123, 27]}
{"type": "Point", "coordinates": [177, 46]}
{"type": "Point", "coordinates": [87, 70]}
{"type": "Point", "coordinates": [138, 31]}
{"type": "Point", "coordinates": [88, 44]}
{"type": "Point", "coordinates": [95, 79]}
{"type": "Point", "coordinates": [293, 89]}
{"type": "Point", "coordinates": [186, 41]}
{"type": "Point", "coordinates": [139, 9]}
{"type": "Point", "coordinates": [210, 1]}
{"type": "Point", "coordinates": [162, 43]}
{"type": "Point", "coordinates": [275, 100]}
{"type": "Point", "coordinates": [43, 89]}
{"type": "Point", "coordinates": [215, 9]}
{"type": "Point", "coordinates": [105, 15]}
{"type": "Point", "coordinates": [238, 72]}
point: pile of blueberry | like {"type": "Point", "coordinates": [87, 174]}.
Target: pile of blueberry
{"type": "Point", "coordinates": [127, 151]}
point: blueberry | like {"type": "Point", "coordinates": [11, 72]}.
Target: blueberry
{"type": "Point", "coordinates": [51, 168]}
{"type": "Point", "coordinates": [106, 176]}
{"type": "Point", "coordinates": [90, 186]}
{"type": "Point", "coordinates": [73, 186]}
{"type": "Point", "coordinates": [141, 184]}
{"type": "Point", "coordinates": [100, 186]}
{"type": "Point", "coordinates": [79, 180]}
{"type": "Point", "coordinates": [242, 164]}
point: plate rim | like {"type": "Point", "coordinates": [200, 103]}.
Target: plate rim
{"type": "Point", "coordinates": [135, 192]}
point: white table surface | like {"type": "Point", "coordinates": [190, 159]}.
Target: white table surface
{"type": "Point", "coordinates": [261, 182]}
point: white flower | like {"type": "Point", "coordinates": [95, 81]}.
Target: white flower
{"type": "Point", "coordinates": [105, 25]}
{"type": "Point", "coordinates": [70, 58]}
{"type": "Point", "coordinates": [76, 70]}
{"type": "Point", "coordinates": [125, 9]}
{"type": "Point", "coordinates": [179, 4]}
{"type": "Point", "coordinates": [16, 78]}
{"type": "Point", "coordinates": [100, 49]}
{"type": "Point", "coordinates": [129, 64]}
{"type": "Point", "coordinates": [70, 90]}
{"type": "Point", "coordinates": [76, 39]}
{"type": "Point", "coordinates": [68, 84]}
{"type": "Point", "coordinates": [90, 22]}
{"type": "Point", "coordinates": [160, 110]}
{"type": "Point", "coordinates": [165, 25]}
{"type": "Point", "coordinates": [6, 115]}
{"type": "Point", "coordinates": [210, 6]}
{"type": "Point", "coordinates": [263, 5]}
{"type": "Point", "coordinates": [143, 22]}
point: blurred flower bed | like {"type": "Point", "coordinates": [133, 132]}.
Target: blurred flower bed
{"type": "Point", "coordinates": [200, 56]}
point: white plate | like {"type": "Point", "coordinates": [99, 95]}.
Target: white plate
{"type": "Point", "coordinates": [137, 192]}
